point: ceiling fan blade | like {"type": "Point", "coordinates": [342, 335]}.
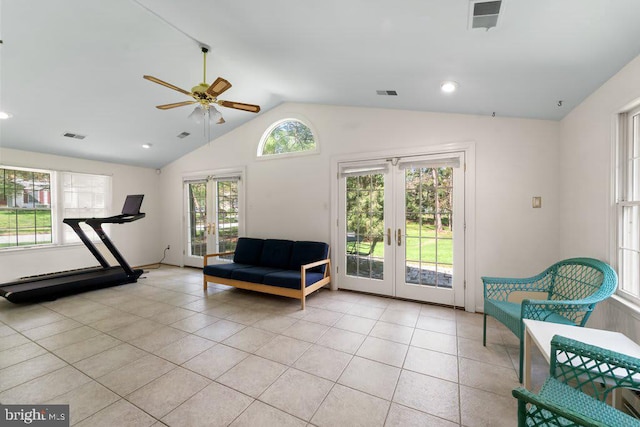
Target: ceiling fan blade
{"type": "Point", "coordinates": [174, 105]}
{"type": "Point", "coordinates": [217, 87]}
{"type": "Point", "coordinates": [169, 85]}
{"type": "Point", "coordinates": [240, 106]}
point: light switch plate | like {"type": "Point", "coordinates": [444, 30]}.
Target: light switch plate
{"type": "Point", "coordinates": [536, 202]}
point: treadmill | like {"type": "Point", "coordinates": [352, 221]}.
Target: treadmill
{"type": "Point", "coordinates": [48, 287]}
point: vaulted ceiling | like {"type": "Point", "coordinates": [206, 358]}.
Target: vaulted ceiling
{"type": "Point", "coordinates": [77, 65]}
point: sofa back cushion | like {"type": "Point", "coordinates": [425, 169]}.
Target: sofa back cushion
{"type": "Point", "coordinates": [308, 252]}
{"type": "Point", "coordinates": [248, 251]}
{"type": "Point", "coordinates": [276, 253]}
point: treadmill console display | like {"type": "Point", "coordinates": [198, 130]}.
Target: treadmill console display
{"type": "Point", "coordinates": [132, 204]}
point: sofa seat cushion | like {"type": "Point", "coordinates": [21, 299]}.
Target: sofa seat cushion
{"type": "Point", "coordinates": [307, 252]}
{"type": "Point", "coordinates": [253, 274]}
{"type": "Point", "coordinates": [248, 251]}
{"type": "Point", "coordinates": [223, 270]}
{"type": "Point", "coordinates": [276, 254]}
{"type": "Point", "coordinates": [290, 279]}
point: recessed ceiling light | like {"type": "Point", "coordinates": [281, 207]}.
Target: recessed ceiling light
{"type": "Point", "coordinates": [4, 115]}
{"type": "Point", "coordinates": [449, 86]}
{"type": "Point", "coordinates": [146, 145]}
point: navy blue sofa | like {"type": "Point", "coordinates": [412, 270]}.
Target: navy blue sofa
{"type": "Point", "coordinates": [274, 266]}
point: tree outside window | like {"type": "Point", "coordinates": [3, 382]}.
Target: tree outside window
{"type": "Point", "coordinates": [287, 136]}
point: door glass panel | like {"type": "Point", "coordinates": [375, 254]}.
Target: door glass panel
{"type": "Point", "coordinates": [197, 217]}
{"type": "Point", "coordinates": [227, 212]}
{"type": "Point", "coordinates": [365, 226]}
{"type": "Point", "coordinates": [428, 226]}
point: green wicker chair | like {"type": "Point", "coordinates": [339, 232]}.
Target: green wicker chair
{"type": "Point", "coordinates": [573, 287]}
{"type": "Point", "coordinates": [590, 370]}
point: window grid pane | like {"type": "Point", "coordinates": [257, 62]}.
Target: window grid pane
{"type": "Point", "coordinates": [84, 196]}
{"type": "Point", "coordinates": [428, 228]}
{"type": "Point", "coordinates": [629, 209]}
{"type": "Point", "coordinates": [197, 215]}
{"type": "Point", "coordinates": [25, 208]}
{"type": "Point", "coordinates": [228, 210]}
{"type": "Point", "coordinates": [287, 136]}
{"type": "Point", "coordinates": [365, 224]}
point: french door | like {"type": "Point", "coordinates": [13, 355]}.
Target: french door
{"type": "Point", "coordinates": [401, 227]}
{"type": "Point", "coordinates": [213, 217]}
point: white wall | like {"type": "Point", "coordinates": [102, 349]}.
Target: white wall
{"type": "Point", "coordinates": [586, 206]}
{"type": "Point", "coordinates": [290, 197]}
{"type": "Point", "coordinates": [138, 242]}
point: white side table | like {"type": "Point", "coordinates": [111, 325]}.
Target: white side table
{"type": "Point", "coordinates": [541, 333]}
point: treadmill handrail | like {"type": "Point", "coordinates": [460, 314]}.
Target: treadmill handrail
{"type": "Point", "coordinates": [74, 223]}
{"type": "Point", "coordinates": [96, 224]}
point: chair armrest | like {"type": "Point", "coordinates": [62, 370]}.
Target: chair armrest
{"type": "Point", "coordinates": [499, 288]}
{"type": "Point", "coordinates": [542, 309]}
{"type": "Point", "coordinates": [207, 256]}
{"type": "Point", "coordinates": [525, 396]}
{"type": "Point", "coordinates": [593, 366]}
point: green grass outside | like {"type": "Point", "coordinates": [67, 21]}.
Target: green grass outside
{"type": "Point", "coordinates": [25, 219]}
{"type": "Point", "coordinates": [420, 247]}
{"type": "Point", "coordinates": [28, 223]}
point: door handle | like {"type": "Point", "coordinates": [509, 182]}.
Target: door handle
{"type": "Point", "coordinates": [389, 236]}
{"type": "Point", "coordinates": [399, 237]}
{"type": "Point", "coordinates": [211, 228]}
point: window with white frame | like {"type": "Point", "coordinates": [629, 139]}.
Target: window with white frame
{"type": "Point", "coordinates": [25, 207]}
{"type": "Point", "coordinates": [84, 196]}
{"type": "Point", "coordinates": [33, 203]}
{"type": "Point", "coordinates": [628, 205]}
{"type": "Point", "coordinates": [287, 137]}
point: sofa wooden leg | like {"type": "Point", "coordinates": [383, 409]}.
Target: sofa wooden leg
{"type": "Point", "coordinates": [204, 284]}
{"type": "Point", "coordinates": [302, 300]}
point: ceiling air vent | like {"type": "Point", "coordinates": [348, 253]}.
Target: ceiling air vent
{"type": "Point", "coordinates": [484, 14]}
{"type": "Point", "coordinates": [387, 92]}
{"type": "Point", "coordinates": [74, 135]}
{"type": "Point", "coordinates": [183, 135]}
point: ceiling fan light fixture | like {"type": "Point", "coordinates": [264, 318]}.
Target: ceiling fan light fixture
{"type": "Point", "coordinates": [449, 86]}
{"type": "Point", "coordinates": [215, 115]}
{"type": "Point", "coordinates": [147, 146]}
{"type": "Point", "coordinates": [197, 115]}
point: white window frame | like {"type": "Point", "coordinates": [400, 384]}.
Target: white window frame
{"type": "Point", "coordinates": [290, 117]}
{"type": "Point", "coordinates": [94, 212]}
{"type": "Point", "coordinates": [58, 228]}
{"type": "Point", "coordinates": [624, 182]}
{"type": "Point", "coordinates": [52, 207]}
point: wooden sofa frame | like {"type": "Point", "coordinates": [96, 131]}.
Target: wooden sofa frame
{"type": "Point", "coordinates": [300, 294]}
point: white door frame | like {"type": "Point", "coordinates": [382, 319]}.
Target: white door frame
{"type": "Point", "coordinates": [214, 173]}
{"type": "Point", "coordinates": [469, 148]}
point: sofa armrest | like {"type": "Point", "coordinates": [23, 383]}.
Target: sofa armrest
{"type": "Point", "coordinates": [315, 264]}
{"type": "Point", "coordinates": [207, 256]}
{"type": "Point", "coordinates": [305, 267]}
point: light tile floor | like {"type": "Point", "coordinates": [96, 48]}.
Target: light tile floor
{"type": "Point", "coordinates": [164, 352]}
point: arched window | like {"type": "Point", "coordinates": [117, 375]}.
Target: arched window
{"type": "Point", "coordinates": [288, 136]}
